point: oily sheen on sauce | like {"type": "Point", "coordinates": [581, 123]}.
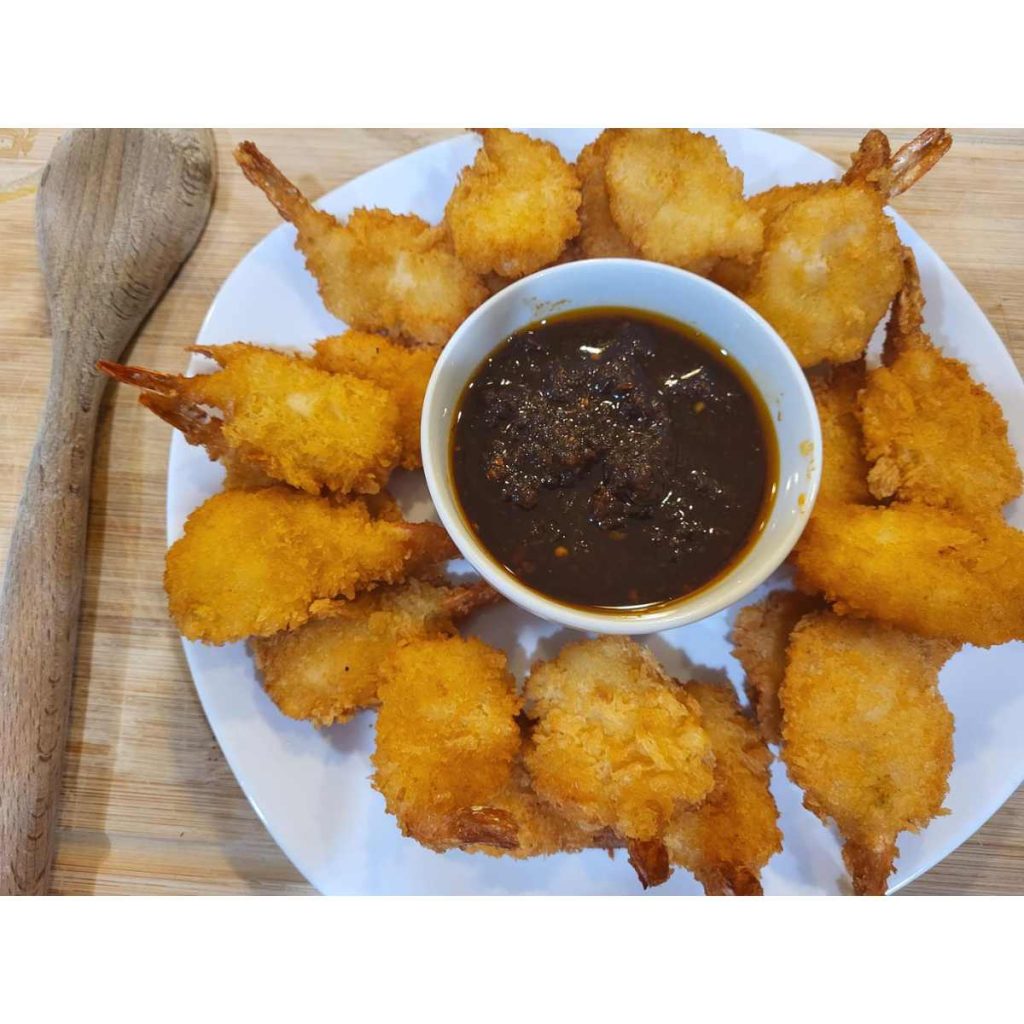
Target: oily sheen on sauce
{"type": "Point", "coordinates": [609, 458]}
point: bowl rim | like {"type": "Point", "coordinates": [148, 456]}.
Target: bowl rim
{"type": "Point", "coordinates": [724, 591]}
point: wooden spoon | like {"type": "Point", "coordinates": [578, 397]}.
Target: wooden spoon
{"type": "Point", "coordinates": [118, 212]}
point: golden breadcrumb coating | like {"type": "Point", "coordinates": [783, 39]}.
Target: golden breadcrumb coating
{"type": "Point", "coordinates": [933, 433]}
{"type": "Point", "coordinates": [327, 670]}
{"type": "Point", "coordinates": [927, 570]}
{"type": "Point", "coordinates": [378, 271]}
{"type": "Point", "coordinates": [732, 835]}
{"type": "Point", "coordinates": [599, 235]}
{"type": "Point", "coordinates": [867, 735]}
{"type": "Point", "coordinates": [830, 267]}
{"type": "Point", "coordinates": [844, 470]}
{"type": "Point", "coordinates": [514, 209]}
{"type": "Point", "coordinates": [281, 416]}
{"type": "Point", "coordinates": [616, 743]}
{"type": "Point", "coordinates": [674, 196]}
{"type": "Point", "coordinates": [252, 563]}
{"type": "Point", "coordinates": [524, 825]}
{"type": "Point", "coordinates": [402, 370]}
{"type": "Point", "coordinates": [447, 737]}
{"type": "Point", "coordinates": [759, 637]}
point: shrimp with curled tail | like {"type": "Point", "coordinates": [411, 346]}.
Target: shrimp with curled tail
{"type": "Point", "coordinates": [831, 263]}
{"type": "Point", "coordinates": [279, 415]}
{"type": "Point", "coordinates": [377, 271]}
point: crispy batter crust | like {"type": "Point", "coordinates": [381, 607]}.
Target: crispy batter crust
{"type": "Point", "coordinates": [326, 671]}
{"type": "Point", "coordinates": [615, 743]}
{"type": "Point", "coordinates": [401, 370]}
{"type": "Point", "coordinates": [866, 734]}
{"type": "Point", "coordinates": [447, 741]}
{"type": "Point", "coordinates": [674, 196]}
{"type": "Point", "coordinates": [513, 211]}
{"type": "Point", "coordinates": [844, 470]}
{"type": "Point", "coordinates": [728, 839]}
{"type": "Point", "coordinates": [251, 563]}
{"type": "Point", "coordinates": [931, 571]}
{"type": "Point", "coordinates": [379, 271]}
{"type": "Point", "coordinates": [760, 636]}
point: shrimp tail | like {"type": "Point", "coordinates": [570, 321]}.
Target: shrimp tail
{"type": "Point", "coordinates": [461, 602]}
{"type": "Point", "coordinates": [289, 201]}
{"type": "Point", "coordinates": [915, 159]}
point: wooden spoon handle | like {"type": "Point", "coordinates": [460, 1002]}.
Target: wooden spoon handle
{"type": "Point", "coordinates": [38, 628]}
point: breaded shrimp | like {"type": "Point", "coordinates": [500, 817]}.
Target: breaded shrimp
{"type": "Point", "coordinates": [615, 743]}
{"type": "Point", "coordinates": [728, 839]}
{"type": "Point", "coordinates": [447, 741]}
{"type": "Point", "coordinates": [927, 570]}
{"type": "Point", "coordinates": [759, 637]}
{"type": "Point", "coordinates": [514, 209]}
{"type": "Point", "coordinates": [402, 370]}
{"type": "Point", "coordinates": [831, 260]}
{"type": "Point", "coordinates": [599, 235]}
{"type": "Point", "coordinates": [518, 816]}
{"type": "Point", "coordinates": [933, 434]}
{"type": "Point", "coordinates": [327, 670]}
{"type": "Point", "coordinates": [280, 415]}
{"type": "Point", "coordinates": [829, 270]}
{"type": "Point", "coordinates": [867, 735]}
{"type": "Point", "coordinates": [378, 271]}
{"type": "Point", "coordinates": [252, 563]}
{"type": "Point", "coordinates": [674, 196]}
{"type": "Point", "coordinates": [844, 470]}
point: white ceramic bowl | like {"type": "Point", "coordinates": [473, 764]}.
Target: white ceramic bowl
{"type": "Point", "coordinates": [685, 297]}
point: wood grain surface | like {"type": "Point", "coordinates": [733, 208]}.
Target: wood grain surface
{"type": "Point", "coordinates": [149, 804]}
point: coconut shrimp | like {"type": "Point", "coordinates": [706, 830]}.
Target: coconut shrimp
{"type": "Point", "coordinates": [867, 735]}
{"type": "Point", "coordinates": [280, 416]}
{"type": "Point", "coordinates": [831, 263]}
{"type": "Point", "coordinates": [514, 209]}
{"type": "Point", "coordinates": [616, 745]}
{"type": "Point", "coordinates": [329, 669]}
{"type": "Point", "coordinates": [253, 563]}
{"type": "Point", "coordinates": [729, 838]}
{"type": "Point", "coordinates": [933, 434]}
{"type": "Point", "coordinates": [674, 196]}
{"type": "Point", "coordinates": [377, 271]}
{"type": "Point", "coordinates": [402, 370]}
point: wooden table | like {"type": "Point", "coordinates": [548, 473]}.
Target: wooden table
{"type": "Point", "coordinates": [149, 803]}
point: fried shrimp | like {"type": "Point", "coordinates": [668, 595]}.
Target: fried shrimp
{"type": "Point", "coordinates": [933, 434]}
{"type": "Point", "coordinates": [514, 210]}
{"type": "Point", "coordinates": [252, 563]}
{"type": "Point", "coordinates": [615, 743]}
{"type": "Point", "coordinates": [760, 636]}
{"type": "Point", "coordinates": [402, 370]}
{"type": "Point", "coordinates": [447, 742]}
{"type": "Point", "coordinates": [728, 839]}
{"type": "Point", "coordinates": [599, 235]}
{"type": "Point", "coordinates": [674, 196]}
{"type": "Point", "coordinates": [378, 271]}
{"type": "Point", "coordinates": [327, 670]}
{"type": "Point", "coordinates": [867, 735]}
{"type": "Point", "coordinates": [281, 416]}
{"type": "Point", "coordinates": [927, 570]}
{"type": "Point", "coordinates": [844, 470]}
{"type": "Point", "coordinates": [831, 260]}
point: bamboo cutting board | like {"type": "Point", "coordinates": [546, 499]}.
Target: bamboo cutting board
{"type": "Point", "coordinates": [149, 804]}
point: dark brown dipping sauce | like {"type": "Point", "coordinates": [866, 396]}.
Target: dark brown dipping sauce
{"type": "Point", "coordinates": [611, 459]}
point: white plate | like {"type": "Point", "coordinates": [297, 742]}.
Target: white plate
{"type": "Point", "coordinates": [311, 787]}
